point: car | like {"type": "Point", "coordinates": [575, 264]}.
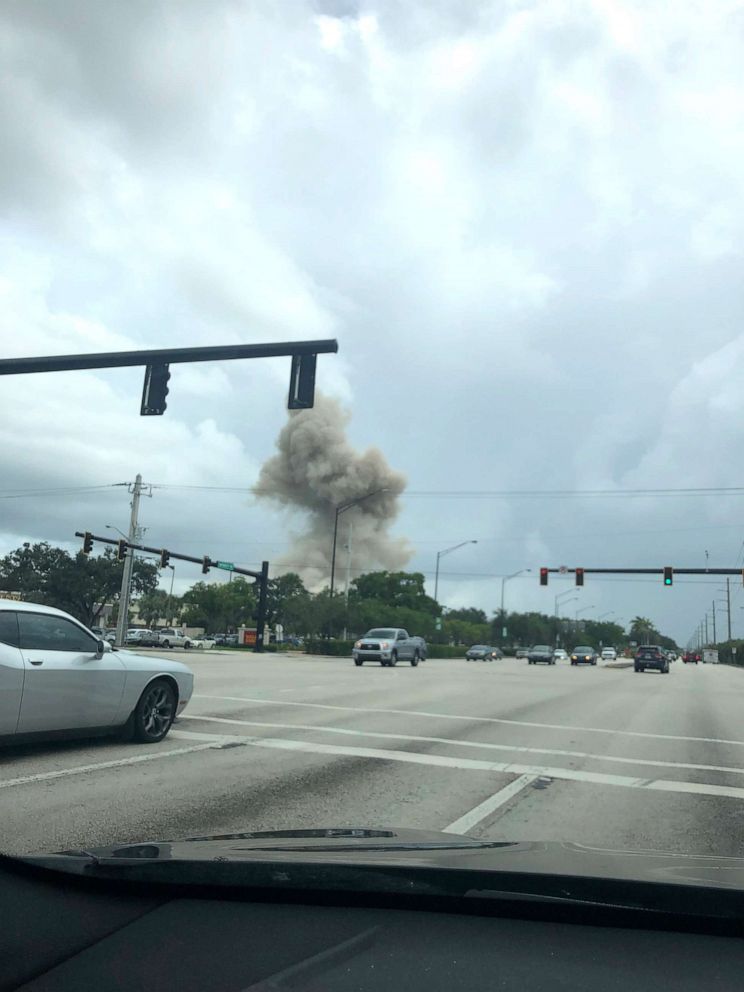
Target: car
{"type": "Point", "coordinates": [58, 678]}
{"type": "Point", "coordinates": [169, 637]}
{"type": "Point", "coordinates": [540, 654]}
{"type": "Point", "coordinates": [142, 638]}
{"type": "Point", "coordinates": [560, 655]}
{"type": "Point", "coordinates": [609, 654]}
{"type": "Point", "coordinates": [691, 657]}
{"type": "Point", "coordinates": [584, 654]}
{"type": "Point", "coordinates": [480, 652]}
{"type": "Point", "coordinates": [110, 635]}
{"type": "Point", "coordinates": [389, 645]}
{"type": "Point", "coordinates": [522, 653]}
{"type": "Point", "coordinates": [651, 656]}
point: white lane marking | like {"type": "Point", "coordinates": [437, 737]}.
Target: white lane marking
{"type": "Point", "coordinates": [100, 765]}
{"type": "Point", "coordinates": [480, 745]}
{"type": "Point", "coordinates": [510, 768]}
{"type": "Point", "coordinates": [488, 806]}
{"type": "Point", "coordinates": [472, 719]}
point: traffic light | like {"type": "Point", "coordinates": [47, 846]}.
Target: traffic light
{"type": "Point", "coordinates": [543, 576]}
{"type": "Point", "coordinates": [579, 576]}
{"type": "Point", "coordinates": [121, 551]}
{"type": "Point", "coordinates": [164, 558]}
{"type": "Point", "coordinates": [668, 579]}
{"type": "Point", "coordinates": [205, 564]}
{"type": "Point", "coordinates": [155, 390]}
{"type": "Point", "coordinates": [87, 542]}
{"type": "Point", "coordinates": [302, 382]}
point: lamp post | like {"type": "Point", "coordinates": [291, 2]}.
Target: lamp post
{"type": "Point", "coordinates": [561, 595]}
{"type": "Point", "coordinates": [342, 508]}
{"type": "Point", "coordinates": [441, 554]}
{"type": "Point", "coordinates": [505, 579]}
{"type": "Point", "coordinates": [583, 610]}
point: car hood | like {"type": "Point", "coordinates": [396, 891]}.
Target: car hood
{"type": "Point", "coordinates": [417, 849]}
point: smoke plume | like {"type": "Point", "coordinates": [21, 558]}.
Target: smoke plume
{"type": "Point", "coordinates": [316, 470]}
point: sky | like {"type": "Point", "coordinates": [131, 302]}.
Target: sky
{"type": "Point", "coordinates": [522, 221]}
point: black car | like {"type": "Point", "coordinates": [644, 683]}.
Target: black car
{"type": "Point", "coordinates": [480, 652]}
{"type": "Point", "coordinates": [541, 654]}
{"type": "Point", "coordinates": [584, 654]}
{"type": "Point", "coordinates": [651, 656]}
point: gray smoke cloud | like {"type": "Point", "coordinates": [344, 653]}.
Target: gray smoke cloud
{"type": "Point", "coordinates": [316, 470]}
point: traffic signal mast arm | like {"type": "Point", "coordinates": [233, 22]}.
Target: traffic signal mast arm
{"type": "Point", "coordinates": [161, 553]}
{"type": "Point", "coordinates": [667, 572]}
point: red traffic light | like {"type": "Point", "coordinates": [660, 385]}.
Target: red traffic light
{"type": "Point", "coordinates": [121, 551]}
{"type": "Point", "coordinates": [543, 576]}
{"type": "Point", "coordinates": [87, 543]}
{"type": "Point", "coordinates": [579, 576]}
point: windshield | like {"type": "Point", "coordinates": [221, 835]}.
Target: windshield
{"type": "Point", "coordinates": [390, 219]}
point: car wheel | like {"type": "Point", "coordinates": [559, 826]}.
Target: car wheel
{"type": "Point", "coordinates": [636, 668]}
{"type": "Point", "coordinates": [358, 662]}
{"type": "Point", "coordinates": [187, 645]}
{"type": "Point", "coordinates": [393, 660]}
{"type": "Point", "coordinates": [166, 644]}
{"type": "Point", "coordinates": [594, 661]}
{"type": "Point", "coordinates": [415, 659]}
{"type": "Point", "coordinates": [154, 713]}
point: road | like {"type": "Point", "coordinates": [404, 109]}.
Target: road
{"type": "Point", "coordinates": [505, 751]}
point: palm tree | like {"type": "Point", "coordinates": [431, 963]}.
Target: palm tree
{"type": "Point", "coordinates": [641, 629]}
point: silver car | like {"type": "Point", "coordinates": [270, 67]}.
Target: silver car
{"type": "Point", "coordinates": [57, 677]}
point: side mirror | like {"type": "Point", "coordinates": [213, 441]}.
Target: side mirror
{"type": "Point", "coordinates": [100, 648]}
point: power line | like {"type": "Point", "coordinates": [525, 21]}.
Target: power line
{"type": "Point", "coordinates": [62, 491]}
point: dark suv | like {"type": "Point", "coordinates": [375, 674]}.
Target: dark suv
{"type": "Point", "coordinates": [651, 656]}
{"type": "Point", "coordinates": [691, 657]}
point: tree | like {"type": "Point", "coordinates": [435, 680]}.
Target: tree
{"type": "Point", "coordinates": [643, 630]}
{"type": "Point", "coordinates": [395, 589]}
{"type": "Point", "coordinates": [156, 605]}
{"type": "Point", "coordinates": [469, 614]}
{"type": "Point", "coordinates": [82, 585]}
{"type": "Point", "coordinates": [219, 606]}
{"type": "Point", "coordinates": [286, 598]}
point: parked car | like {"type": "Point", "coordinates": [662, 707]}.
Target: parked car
{"type": "Point", "coordinates": [480, 652]}
{"type": "Point", "coordinates": [609, 654]}
{"type": "Point", "coordinates": [560, 655]}
{"type": "Point", "coordinates": [56, 676]}
{"type": "Point", "coordinates": [142, 638]}
{"type": "Point", "coordinates": [651, 656]}
{"type": "Point", "coordinates": [388, 646]}
{"type": "Point", "coordinates": [110, 635]}
{"type": "Point", "coordinates": [169, 637]}
{"type": "Point", "coordinates": [584, 654]}
{"type": "Point", "coordinates": [522, 653]}
{"type": "Point", "coordinates": [541, 654]}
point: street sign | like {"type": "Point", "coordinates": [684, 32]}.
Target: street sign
{"type": "Point", "coordinates": [563, 570]}
{"type": "Point", "coordinates": [227, 565]}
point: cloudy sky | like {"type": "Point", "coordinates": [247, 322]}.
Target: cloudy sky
{"type": "Point", "coordinates": [521, 220]}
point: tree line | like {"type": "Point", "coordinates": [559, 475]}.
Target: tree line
{"type": "Point", "coordinates": [82, 585]}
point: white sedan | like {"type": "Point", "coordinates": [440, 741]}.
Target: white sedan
{"type": "Point", "coordinates": [57, 677]}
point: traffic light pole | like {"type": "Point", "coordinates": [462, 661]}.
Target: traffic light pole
{"type": "Point", "coordinates": [205, 561]}
{"type": "Point", "coordinates": [122, 622]}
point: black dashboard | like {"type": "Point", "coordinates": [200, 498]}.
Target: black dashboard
{"type": "Point", "coordinates": [61, 933]}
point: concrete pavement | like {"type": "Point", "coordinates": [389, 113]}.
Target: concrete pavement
{"type": "Point", "coordinates": [504, 751]}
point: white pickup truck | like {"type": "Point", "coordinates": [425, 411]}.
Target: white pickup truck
{"type": "Point", "coordinates": [169, 637]}
{"type": "Point", "coordinates": [388, 646]}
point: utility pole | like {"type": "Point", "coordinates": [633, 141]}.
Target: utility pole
{"type": "Point", "coordinates": [126, 578]}
{"type": "Point", "coordinates": [348, 562]}
{"type": "Point", "coordinates": [714, 623]}
{"type": "Point", "coordinates": [728, 607]}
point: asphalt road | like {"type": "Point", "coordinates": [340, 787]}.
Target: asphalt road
{"type": "Point", "coordinates": [506, 751]}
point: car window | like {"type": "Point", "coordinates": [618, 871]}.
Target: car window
{"type": "Point", "coordinates": [44, 632]}
{"type": "Point", "coordinates": [9, 628]}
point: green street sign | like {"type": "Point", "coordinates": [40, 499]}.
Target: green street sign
{"type": "Point", "coordinates": [227, 565]}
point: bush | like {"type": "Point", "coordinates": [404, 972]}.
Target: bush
{"type": "Point", "coordinates": [447, 650]}
{"type": "Point", "coordinates": [319, 645]}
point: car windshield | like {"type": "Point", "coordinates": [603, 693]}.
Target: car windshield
{"type": "Point", "coordinates": [322, 248]}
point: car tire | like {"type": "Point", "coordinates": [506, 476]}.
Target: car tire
{"type": "Point", "coordinates": [155, 712]}
{"type": "Point", "coordinates": [166, 644]}
{"type": "Point", "coordinates": [594, 662]}
{"type": "Point", "coordinates": [358, 662]}
{"type": "Point", "coordinates": [415, 659]}
{"type": "Point", "coordinates": [393, 660]}
{"type": "Point", "coordinates": [187, 645]}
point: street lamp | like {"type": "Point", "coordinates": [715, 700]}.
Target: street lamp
{"type": "Point", "coordinates": [342, 508]}
{"type": "Point", "coordinates": [505, 579]}
{"type": "Point", "coordinates": [583, 610]}
{"type": "Point", "coordinates": [607, 614]}
{"type": "Point", "coordinates": [441, 554]}
{"type": "Point", "coordinates": [568, 592]}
